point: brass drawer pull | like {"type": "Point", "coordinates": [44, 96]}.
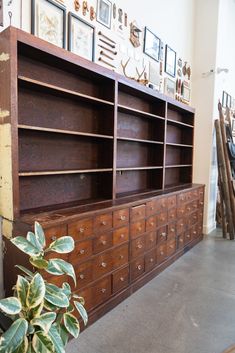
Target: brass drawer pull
{"type": "Point", "coordinates": [194, 232]}
{"type": "Point", "coordinates": [151, 208]}
{"type": "Point", "coordinates": [151, 260]}
{"type": "Point", "coordinates": [81, 230]}
{"type": "Point", "coordinates": [123, 218]}
{"type": "Point", "coordinates": [181, 240]}
{"type": "Point", "coordinates": [188, 208]}
{"type": "Point", "coordinates": [171, 246]}
{"type": "Point", "coordinates": [121, 257]}
{"type": "Point", "coordinates": [181, 224]}
{"type": "Point", "coordinates": [201, 203]}
{"type": "Point", "coordinates": [151, 223]}
{"type": "Point", "coordinates": [139, 229]}
{"type": "Point", "coordinates": [163, 235]}
{"type": "Point", "coordinates": [162, 253]}
{"type": "Point", "coordinates": [139, 267]}
{"type": "Point", "coordinates": [104, 223]}
{"type": "Point", "coordinates": [172, 230]}
{"type": "Point", "coordinates": [103, 290]}
{"type": "Point", "coordinates": [103, 264]}
{"type": "Point", "coordinates": [82, 251]}
{"type": "Point", "coordinates": [187, 236]}
{"type": "Point", "coordinates": [139, 246]}
{"type": "Point", "coordinates": [122, 236]}
{"type": "Point", "coordinates": [104, 242]}
{"type": "Point", "coordinates": [122, 279]}
{"type": "Point", "coordinates": [81, 276]}
{"type": "Point", "coordinates": [53, 237]}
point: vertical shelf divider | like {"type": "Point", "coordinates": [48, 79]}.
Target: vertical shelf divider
{"type": "Point", "coordinates": [115, 139]}
{"type": "Point", "coordinates": [164, 148]}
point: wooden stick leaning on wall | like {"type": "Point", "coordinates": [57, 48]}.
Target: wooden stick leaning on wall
{"type": "Point", "coordinates": [222, 209]}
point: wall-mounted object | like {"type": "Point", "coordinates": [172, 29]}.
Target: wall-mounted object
{"type": "Point", "coordinates": [229, 101]}
{"type": "Point", "coordinates": [76, 5]}
{"type": "Point", "coordinates": [135, 34]}
{"type": "Point", "coordinates": [169, 87]}
{"type": "Point", "coordinates": [186, 92]}
{"type": "Point", "coordinates": [107, 43]}
{"type": "Point", "coordinates": [114, 11]}
{"type": "Point", "coordinates": [151, 44]}
{"type": "Point", "coordinates": [179, 72]}
{"type": "Point", "coordinates": [170, 61]}
{"type": "Point", "coordinates": [125, 19]}
{"type": "Point", "coordinates": [92, 13]}
{"type": "Point", "coordinates": [107, 49]}
{"type": "Point", "coordinates": [81, 37]}
{"type": "Point", "coordinates": [106, 63]}
{"type": "Point", "coordinates": [48, 21]}
{"type": "Point", "coordinates": [120, 14]}
{"type": "Point", "coordinates": [85, 8]}
{"type": "Point", "coordinates": [104, 12]}
{"type": "Point", "coordinates": [106, 37]}
{"type": "Point", "coordinates": [224, 99]}
{"type": "Point", "coordinates": [184, 69]}
{"type": "Point", "coordinates": [102, 53]}
{"type": "Point", "coordinates": [1, 13]}
{"type": "Point", "coordinates": [161, 53]}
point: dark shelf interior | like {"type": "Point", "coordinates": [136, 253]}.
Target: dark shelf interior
{"type": "Point", "coordinates": [178, 155]}
{"type": "Point", "coordinates": [179, 134]}
{"type": "Point", "coordinates": [178, 176]}
{"type": "Point", "coordinates": [180, 115]}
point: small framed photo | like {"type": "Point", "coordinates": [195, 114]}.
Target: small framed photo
{"type": "Point", "coordinates": [81, 37]}
{"type": "Point", "coordinates": [152, 44]}
{"type": "Point", "coordinates": [170, 61]}
{"type": "Point", "coordinates": [224, 99]}
{"type": "Point", "coordinates": [229, 98]}
{"type": "Point", "coordinates": [48, 21]}
{"type": "Point", "coordinates": [104, 12]}
{"type": "Point", "coordinates": [169, 87]}
{"type": "Point", "coordinates": [186, 92]}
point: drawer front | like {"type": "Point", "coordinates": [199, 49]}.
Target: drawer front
{"type": "Point", "coordinates": [181, 199]}
{"type": "Point", "coordinates": [102, 242]}
{"type": "Point", "coordinates": [161, 219]}
{"type": "Point", "coordinates": [120, 217]}
{"type": "Point", "coordinates": [162, 234]}
{"type": "Point", "coordinates": [188, 209]}
{"type": "Point", "coordinates": [120, 279]}
{"type": "Point", "coordinates": [161, 253]}
{"type": "Point", "coordinates": [82, 251]}
{"type": "Point", "coordinates": [180, 244]}
{"type": "Point", "coordinates": [151, 208]}
{"type": "Point", "coordinates": [195, 194]}
{"type": "Point", "coordinates": [189, 196]}
{"type": "Point", "coordinates": [150, 260]}
{"type": "Point", "coordinates": [162, 204]}
{"type": "Point", "coordinates": [200, 215]}
{"type": "Point", "coordinates": [57, 280]}
{"type": "Point", "coordinates": [102, 264]}
{"type": "Point", "coordinates": [151, 224]}
{"type": "Point", "coordinates": [137, 228]}
{"type": "Point", "coordinates": [171, 201]}
{"type": "Point", "coordinates": [137, 213]}
{"type": "Point", "coordinates": [150, 240]}
{"type": "Point", "coordinates": [199, 229]}
{"type": "Point", "coordinates": [103, 222]}
{"type": "Point", "coordinates": [101, 291]}
{"type": "Point", "coordinates": [201, 194]}
{"type": "Point", "coordinates": [180, 226]}
{"type": "Point", "coordinates": [187, 236]}
{"type": "Point", "coordinates": [171, 247]}
{"type": "Point", "coordinates": [137, 268]}
{"type": "Point", "coordinates": [137, 247]}
{"type": "Point", "coordinates": [120, 235]}
{"type": "Point", "coordinates": [86, 294]}
{"type": "Point", "coordinates": [83, 274]}
{"type": "Point", "coordinates": [194, 205]}
{"type": "Point", "coordinates": [81, 229]}
{"type": "Point", "coordinates": [120, 256]}
{"type": "Point", "coordinates": [171, 231]}
{"type": "Point", "coordinates": [53, 233]}
{"type": "Point", "coordinates": [172, 215]}
{"type": "Point", "coordinates": [195, 232]}
{"type": "Point", "coordinates": [194, 218]}
{"type": "Point", "coordinates": [180, 211]}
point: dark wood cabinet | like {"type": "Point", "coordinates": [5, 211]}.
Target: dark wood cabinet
{"type": "Point", "coordinates": [99, 157]}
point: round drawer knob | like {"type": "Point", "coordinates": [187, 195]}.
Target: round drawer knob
{"type": "Point", "coordinates": [151, 260]}
{"type": "Point", "coordinates": [171, 246]}
{"type": "Point", "coordinates": [151, 240]}
{"type": "Point", "coordinates": [181, 240]}
{"type": "Point", "coordinates": [82, 276]}
{"type": "Point", "coordinates": [172, 230]}
{"type": "Point", "coordinates": [81, 230]}
{"type": "Point", "coordinates": [188, 208]}
{"type": "Point", "coordinates": [122, 236]}
{"type": "Point", "coordinates": [104, 242]}
{"type": "Point", "coordinates": [181, 224]}
{"type": "Point", "coordinates": [53, 238]}
{"type": "Point", "coordinates": [103, 264]}
{"type": "Point", "coordinates": [139, 229]}
{"type": "Point", "coordinates": [103, 290]}
{"type": "Point", "coordinates": [121, 257]}
{"type": "Point", "coordinates": [188, 236]}
{"type": "Point", "coordinates": [123, 218]}
{"type": "Point", "coordinates": [103, 223]}
{"type": "Point", "coordinates": [201, 203]}
{"type": "Point", "coordinates": [163, 235]}
{"type": "Point", "coordinates": [194, 232]}
{"type": "Point", "coordinates": [161, 253]}
{"type": "Point", "coordinates": [194, 206]}
{"type": "Point", "coordinates": [82, 251]}
{"type": "Point", "coordinates": [139, 267]}
{"type": "Point", "coordinates": [122, 279]}
{"type": "Point", "coordinates": [151, 208]}
{"type": "Point", "coordinates": [139, 246]}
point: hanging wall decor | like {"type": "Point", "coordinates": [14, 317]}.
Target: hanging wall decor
{"type": "Point", "coordinates": [1, 13]}
{"type": "Point", "coordinates": [85, 8]}
{"type": "Point", "coordinates": [151, 44]}
{"type": "Point", "coordinates": [76, 5]}
{"type": "Point", "coordinates": [224, 99]}
{"type": "Point", "coordinates": [135, 34]}
{"type": "Point", "coordinates": [104, 11]}
{"type": "Point", "coordinates": [48, 21]}
{"type": "Point", "coordinates": [169, 87]}
{"type": "Point", "coordinates": [170, 61]}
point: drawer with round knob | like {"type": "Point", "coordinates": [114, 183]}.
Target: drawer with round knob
{"type": "Point", "coordinates": [101, 291]}
{"type": "Point", "coordinates": [151, 208]}
{"type": "Point", "coordinates": [120, 279]}
{"type": "Point", "coordinates": [120, 217]}
{"type": "Point", "coordinates": [161, 253]}
{"type": "Point", "coordinates": [103, 222]}
{"type": "Point", "coordinates": [187, 236]}
{"type": "Point", "coordinates": [171, 247]}
{"type": "Point", "coordinates": [102, 242]}
{"type": "Point", "coordinates": [162, 234]}
{"type": "Point", "coordinates": [120, 256]}
{"type": "Point", "coordinates": [194, 231]}
{"type": "Point", "coordinates": [82, 251]}
{"type": "Point", "coordinates": [151, 223]}
{"type": "Point", "coordinates": [102, 264]}
{"type": "Point", "coordinates": [137, 268]}
{"type": "Point", "coordinates": [172, 214]}
{"type": "Point", "coordinates": [180, 225]}
{"type": "Point", "coordinates": [137, 228]}
{"type": "Point", "coordinates": [180, 241]}
{"type": "Point", "coordinates": [86, 294]}
{"type": "Point", "coordinates": [83, 275]}
{"type": "Point", "coordinates": [150, 260]}
{"type": "Point", "coordinates": [150, 240]}
{"type": "Point", "coordinates": [120, 235]}
{"type": "Point", "coordinates": [181, 211]}
{"type": "Point", "coordinates": [161, 219]}
{"type": "Point", "coordinates": [162, 204]}
{"type": "Point", "coordinates": [171, 201]}
{"type": "Point", "coordinates": [172, 232]}
{"type": "Point", "coordinates": [181, 199]}
{"type": "Point", "coordinates": [137, 213]}
{"type": "Point", "coordinates": [81, 229]}
{"type": "Point", "coordinates": [53, 233]}
{"type": "Point", "coordinates": [137, 246]}
{"type": "Point", "coordinates": [201, 194]}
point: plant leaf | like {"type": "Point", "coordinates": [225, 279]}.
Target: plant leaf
{"type": "Point", "coordinates": [55, 296]}
{"type": "Point", "coordinates": [61, 267]}
{"type": "Point", "coordinates": [35, 312]}
{"type": "Point", "coordinates": [22, 287]}
{"type": "Point", "coordinates": [25, 270]}
{"type": "Point", "coordinates": [72, 325]}
{"type": "Point", "coordinates": [48, 306]}
{"type": "Point", "coordinates": [44, 321]}
{"type": "Point", "coordinates": [56, 339]}
{"type": "Point", "coordinates": [42, 343]}
{"type": "Point", "coordinates": [23, 348]}
{"type": "Point", "coordinates": [36, 291]}
{"type": "Point", "coordinates": [82, 311]}
{"type": "Point", "coordinates": [31, 237]}
{"type": "Point", "coordinates": [14, 336]}
{"type": "Point", "coordinates": [25, 246]}
{"type": "Point", "coordinates": [63, 245]}
{"type": "Point", "coordinates": [81, 299]}
{"type": "Point", "coordinates": [10, 306]}
{"type": "Point", "coordinates": [38, 263]}
{"type": "Point", "coordinates": [63, 333]}
{"type": "Point", "coordinates": [66, 289]}
{"type": "Point", "coordinates": [39, 233]}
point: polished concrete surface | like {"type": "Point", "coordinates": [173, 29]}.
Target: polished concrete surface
{"type": "Point", "coordinates": [188, 308]}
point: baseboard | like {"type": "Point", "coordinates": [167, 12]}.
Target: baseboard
{"type": "Point", "coordinates": [207, 229]}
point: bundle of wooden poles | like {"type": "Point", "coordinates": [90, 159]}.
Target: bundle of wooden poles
{"type": "Point", "coordinates": [226, 182]}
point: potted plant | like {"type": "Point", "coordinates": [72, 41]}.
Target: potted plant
{"type": "Point", "coordinates": [42, 314]}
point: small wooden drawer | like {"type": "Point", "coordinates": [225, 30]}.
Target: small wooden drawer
{"type": "Point", "coordinates": [137, 213]}
{"type": "Point", "coordinates": [102, 264]}
{"type": "Point", "coordinates": [103, 222]}
{"type": "Point", "coordinates": [83, 274]}
{"type": "Point", "coordinates": [150, 260]}
{"type": "Point", "coordinates": [162, 234]}
{"type": "Point", "coordinates": [81, 229]}
{"type": "Point", "coordinates": [171, 234]}
{"type": "Point", "coordinates": [120, 256]}
{"type": "Point", "coordinates": [120, 217]}
{"type": "Point", "coordinates": [151, 208]}
{"type": "Point", "coordinates": [161, 219]}
{"type": "Point", "coordinates": [171, 247]}
{"type": "Point", "coordinates": [101, 291]}
{"type": "Point", "coordinates": [194, 218]}
{"type": "Point", "coordinates": [120, 235]}
{"type": "Point", "coordinates": [201, 203]}
{"type": "Point", "coordinates": [161, 253]}
{"type": "Point", "coordinates": [137, 268]}
{"type": "Point", "coordinates": [151, 224]}
{"type": "Point", "coordinates": [194, 205]}
{"type": "Point", "coordinates": [137, 228]}
{"type": "Point", "coordinates": [53, 233]}
{"type": "Point", "coordinates": [189, 196]}
{"type": "Point", "coordinates": [162, 204]}
{"type": "Point", "coordinates": [120, 279]}
{"type": "Point", "coordinates": [56, 280]}
{"type": "Point", "coordinates": [199, 229]}
{"type": "Point", "coordinates": [188, 209]}
{"type": "Point", "coordinates": [201, 194]}
{"type": "Point", "coordinates": [82, 251]}
{"type": "Point", "coordinates": [181, 199]}
{"type": "Point", "coordinates": [194, 232]}
{"type": "Point", "coordinates": [102, 242]}
{"type": "Point", "coordinates": [194, 194]}
{"type": "Point", "coordinates": [180, 226]}
{"type": "Point", "coordinates": [172, 214]}
{"type": "Point", "coordinates": [181, 211]}
{"type": "Point", "coordinates": [187, 236]}
{"type": "Point", "coordinates": [180, 239]}
{"type": "Point", "coordinates": [200, 215]}
{"type": "Point", "coordinates": [86, 294]}
{"type": "Point", "coordinates": [171, 201]}
{"type": "Point", "coordinates": [150, 240]}
{"type": "Point", "coordinates": [137, 247]}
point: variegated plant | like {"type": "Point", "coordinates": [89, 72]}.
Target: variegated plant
{"type": "Point", "coordinates": [42, 313]}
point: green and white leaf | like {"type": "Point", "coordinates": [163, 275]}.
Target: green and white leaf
{"type": "Point", "coordinates": [23, 348]}
{"type": "Point", "coordinates": [56, 339]}
{"type": "Point", "coordinates": [24, 245]}
{"type": "Point", "coordinates": [14, 336]}
{"type": "Point", "coordinates": [10, 306]}
{"type": "Point", "coordinates": [22, 287]}
{"type": "Point", "coordinates": [42, 343]}
{"type": "Point", "coordinates": [25, 270]}
{"type": "Point", "coordinates": [59, 267]}
{"type": "Point", "coordinates": [39, 262]}
{"type": "Point", "coordinates": [72, 325]}
{"type": "Point", "coordinates": [66, 289]}
{"type": "Point", "coordinates": [31, 329]}
{"type": "Point", "coordinates": [55, 296]}
{"type": "Point", "coordinates": [31, 237]}
{"type": "Point", "coordinates": [39, 233]}
{"type": "Point", "coordinates": [44, 321]}
{"type": "Point", "coordinates": [82, 311]}
{"type": "Point", "coordinates": [81, 299]}
{"type": "Point", "coordinates": [63, 333]}
{"type": "Point", "coordinates": [36, 291]}
{"type": "Point", "coordinates": [48, 306]}
{"type": "Point", "coordinates": [35, 312]}
{"type": "Point", "coordinates": [63, 245]}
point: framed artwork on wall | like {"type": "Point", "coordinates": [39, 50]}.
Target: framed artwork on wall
{"type": "Point", "coordinates": [229, 99]}
{"type": "Point", "coordinates": [152, 44]}
{"type": "Point", "coordinates": [169, 87]}
{"type": "Point", "coordinates": [224, 99]}
{"type": "Point", "coordinates": [104, 12]}
{"type": "Point", "coordinates": [170, 61]}
{"type": "Point", "coordinates": [48, 21]}
{"type": "Point", "coordinates": [186, 92]}
{"type": "Point", "coordinates": [81, 37]}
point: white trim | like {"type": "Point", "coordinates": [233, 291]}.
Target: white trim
{"type": "Point", "coordinates": [208, 228]}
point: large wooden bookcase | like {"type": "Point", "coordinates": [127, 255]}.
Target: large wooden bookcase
{"type": "Point", "coordinates": [92, 154]}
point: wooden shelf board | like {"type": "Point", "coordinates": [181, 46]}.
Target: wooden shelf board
{"type": "Point", "coordinates": [140, 140]}
{"type": "Point", "coordinates": [178, 145]}
{"type": "Point", "coordinates": [178, 166]}
{"type": "Point", "coordinates": [62, 172]}
{"type": "Point", "coordinates": [137, 168]}
{"type": "Point", "coordinates": [176, 185]}
{"type": "Point", "coordinates": [171, 121]}
{"type": "Point", "coordinates": [64, 90]}
{"type": "Point", "coordinates": [139, 112]}
{"type": "Point", "coordinates": [68, 132]}
{"type": "Point", "coordinates": [136, 192]}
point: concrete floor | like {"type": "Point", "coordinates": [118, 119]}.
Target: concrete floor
{"type": "Point", "coordinates": [188, 308]}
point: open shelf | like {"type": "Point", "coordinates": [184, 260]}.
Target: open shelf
{"type": "Point", "coordinates": [136, 112]}
{"type": "Point", "coordinates": [63, 172]}
{"type": "Point", "coordinates": [180, 135]}
{"type": "Point", "coordinates": [175, 113]}
{"type": "Point", "coordinates": [138, 168]}
{"type": "Point", "coordinates": [178, 123]}
{"type": "Point", "coordinates": [178, 155]}
{"type": "Point", "coordinates": [176, 176]}
{"type": "Point", "coordinates": [138, 140]}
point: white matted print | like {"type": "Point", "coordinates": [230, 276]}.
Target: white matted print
{"type": "Point", "coordinates": [104, 12]}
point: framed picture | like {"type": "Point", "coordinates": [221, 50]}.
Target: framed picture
{"type": "Point", "coordinates": [186, 92]}
{"type": "Point", "coordinates": [48, 21]}
{"type": "Point", "coordinates": [152, 44]}
{"type": "Point", "coordinates": [81, 37]}
{"type": "Point", "coordinates": [229, 98]}
{"type": "Point", "coordinates": [170, 61]}
{"type": "Point", "coordinates": [224, 99]}
{"type": "Point", "coordinates": [104, 12]}
{"type": "Point", "coordinates": [169, 87]}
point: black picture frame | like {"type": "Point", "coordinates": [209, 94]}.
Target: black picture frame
{"type": "Point", "coordinates": [152, 44]}
{"type": "Point", "coordinates": [90, 56]}
{"type": "Point", "coordinates": [104, 14]}
{"type": "Point", "coordinates": [229, 101]}
{"type": "Point", "coordinates": [224, 99]}
{"type": "Point", "coordinates": [34, 19]}
{"type": "Point", "coordinates": [170, 61]}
